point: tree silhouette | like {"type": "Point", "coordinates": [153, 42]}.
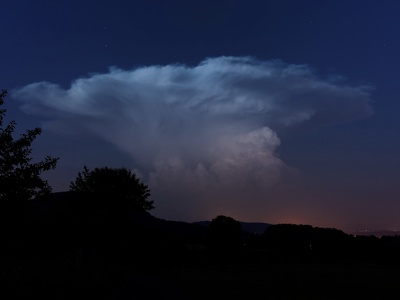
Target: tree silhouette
{"type": "Point", "coordinates": [119, 187]}
{"type": "Point", "coordinates": [224, 238]}
{"type": "Point", "coordinates": [19, 176]}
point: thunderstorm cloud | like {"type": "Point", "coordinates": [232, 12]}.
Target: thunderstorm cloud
{"type": "Point", "coordinates": [204, 135]}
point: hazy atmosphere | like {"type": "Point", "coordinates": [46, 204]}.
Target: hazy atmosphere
{"type": "Point", "coordinates": [265, 111]}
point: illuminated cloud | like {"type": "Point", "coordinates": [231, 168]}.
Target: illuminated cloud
{"type": "Point", "coordinates": [209, 130]}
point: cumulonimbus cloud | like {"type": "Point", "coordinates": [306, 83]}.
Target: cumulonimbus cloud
{"type": "Point", "coordinates": [212, 127]}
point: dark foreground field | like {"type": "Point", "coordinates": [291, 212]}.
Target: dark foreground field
{"type": "Point", "coordinates": [267, 281]}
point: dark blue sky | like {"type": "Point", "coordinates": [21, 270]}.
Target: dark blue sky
{"type": "Point", "coordinates": [335, 164]}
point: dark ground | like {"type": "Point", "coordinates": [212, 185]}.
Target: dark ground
{"type": "Point", "coordinates": [267, 281]}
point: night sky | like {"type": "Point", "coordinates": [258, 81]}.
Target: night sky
{"type": "Point", "coordinates": [270, 111]}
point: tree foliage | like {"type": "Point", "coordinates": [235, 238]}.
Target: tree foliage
{"type": "Point", "coordinates": [224, 235]}
{"type": "Point", "coordinates": [19, 176]}
{"type": "Point", "coordinates": [119, 186]}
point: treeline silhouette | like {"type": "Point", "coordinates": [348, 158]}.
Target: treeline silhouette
{"type": "Point", "coordinates": [73, 242]}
